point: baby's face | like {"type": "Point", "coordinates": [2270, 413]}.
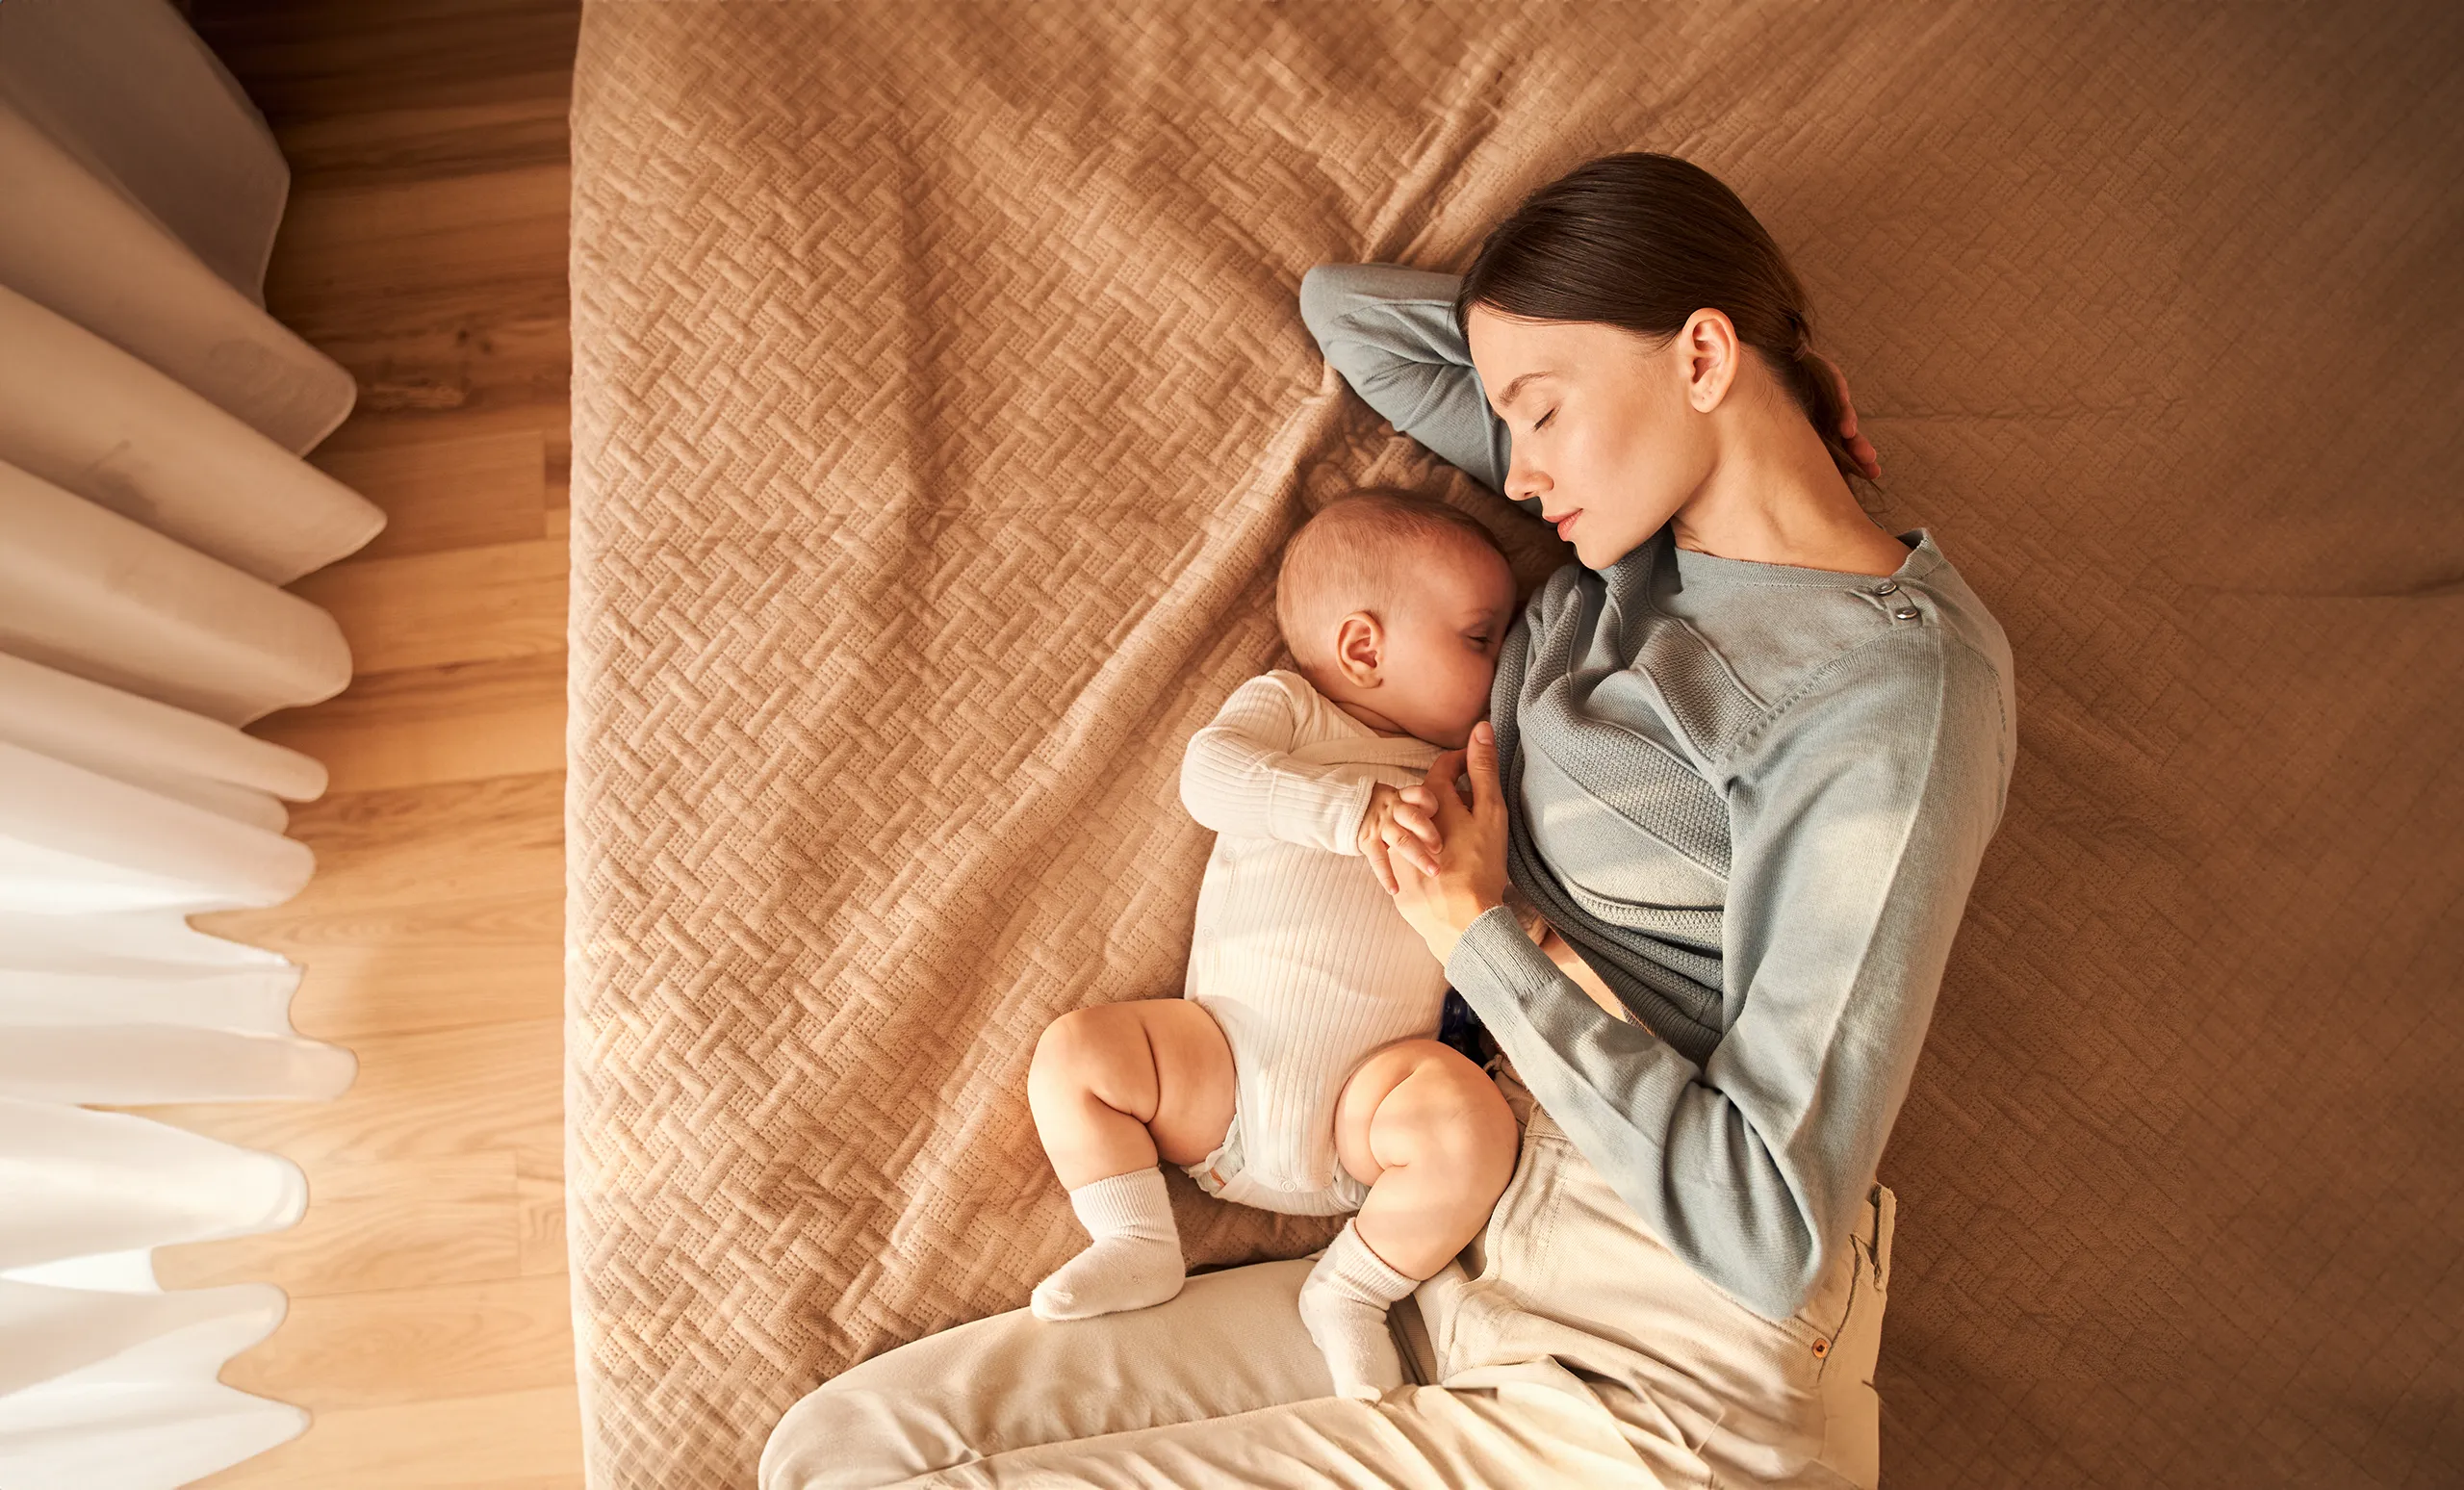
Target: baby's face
{"type": "Point", "coordinates": [1441, 643]}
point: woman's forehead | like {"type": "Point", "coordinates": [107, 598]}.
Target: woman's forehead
{"type": "Point", "coordinates": [1517, 357]}
{"type": "Point", "coordinates": [1541, 345]}
{"type": "Point", "coordinates": [1514, 345]}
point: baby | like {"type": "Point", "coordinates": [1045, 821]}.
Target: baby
{"type": "Point", "coordinates": [1297, 1074]}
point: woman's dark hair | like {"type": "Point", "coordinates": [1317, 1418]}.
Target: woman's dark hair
{"type": "Point", "coordinates": [1643, 241]}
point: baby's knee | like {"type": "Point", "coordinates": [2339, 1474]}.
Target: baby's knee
{"type": "Point", "coordinates": [1420, 1100]}
{"type": "Point", "coordinates": [1088, 1038]}
{"type": "Point", "coordinates": [1469, 1117]}
{"type": "Point", "coordinates": [1074, 1048]}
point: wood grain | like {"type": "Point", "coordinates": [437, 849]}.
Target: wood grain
{"type": "Point", "coordinates": [394, 969]}
{"type": "Point", "coordinates": [463, 721]}
{"type": "Point", "coordinates": [484, 488]}
{"type": "Point", "coordinates": [430, 1328]}
{"type": "Point", "coordinates": [504, 599]}
{"type": "Point", "coordinates": [384, 1346]}
{"type": "Point", "coordinates": [472, 1090]}
{"type": "Point", "coordinates": [421, 845]}
{"type": "Point", "coordinates": [494, 1440]}
{"type": "Point", "coordinates": [384, 1224]}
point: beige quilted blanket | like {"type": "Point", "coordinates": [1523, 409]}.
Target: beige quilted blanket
{"type": "Point", "coordinates": [940, 405]}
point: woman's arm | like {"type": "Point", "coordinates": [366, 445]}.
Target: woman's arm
{"type": "Point", "coordinates": [1390, 331]}
{"type": "Point", "coordinates": [1557, 950]}
{"type": "Point", "coordinates": [1239, 777]}
{"type": "Point", "coordinates": [1858, 825]}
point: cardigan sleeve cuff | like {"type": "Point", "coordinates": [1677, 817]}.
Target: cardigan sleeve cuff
{"type": "Point", "coordinates": [1496, 955]}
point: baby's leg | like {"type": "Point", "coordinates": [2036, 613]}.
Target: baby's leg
{"type": "Point", "coordinates": [1111, 1087]}
{"type": "Point", "coordinates": [1429, 1133]}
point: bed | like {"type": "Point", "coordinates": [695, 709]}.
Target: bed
{"type": "Point", "coordinates": [939, 403]}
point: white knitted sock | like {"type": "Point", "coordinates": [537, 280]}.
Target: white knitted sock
{"type": "Point", "coordinates": [1344, 1304]}
{"type": "Point", "coordinates": [1135, 1260]}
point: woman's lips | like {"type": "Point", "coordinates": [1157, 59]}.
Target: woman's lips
{"type": "Point", "coordinates": [1566, 525]}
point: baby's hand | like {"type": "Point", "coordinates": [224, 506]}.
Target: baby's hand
{"type": "Point", "coordinates": [1393, 826]}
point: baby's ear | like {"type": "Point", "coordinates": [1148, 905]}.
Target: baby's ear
{"type": "Point", "coordinates": [1360, 646]}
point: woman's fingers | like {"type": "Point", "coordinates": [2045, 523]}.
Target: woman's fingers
{"type": "Point", "coordinates": [1376, 852]}
{"type": "Point", "coordinates": [1417, 820]}
{"type": "Point", "coordinates": [1441, 795]}
{"type": "Point", "coordinates": [1859, 449]}
{"type": "Point", "coordinates": [1402, 847]}
{"type": "Point", "coordinates": [1407, 875]}
{"type": "Point", "coordinates": [1488, 797]}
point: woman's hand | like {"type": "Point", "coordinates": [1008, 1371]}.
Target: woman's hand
{"type": "Point", "coordinates": [1470, 873]}
{"type": "Point", "coordinates": [1392, 828]}
{"type": "Point", "coordinates": [1859, 449]}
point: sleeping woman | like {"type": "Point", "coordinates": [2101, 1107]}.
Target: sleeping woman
{"type": "Point", "coordinates": [1747, 754]}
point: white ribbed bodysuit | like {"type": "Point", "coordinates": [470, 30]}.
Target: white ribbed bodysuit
{"type": "Point", "coordinates": [1298, 952]}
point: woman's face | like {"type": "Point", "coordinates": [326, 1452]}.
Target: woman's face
{"type": "Point", "coordinates": [1605, 432]}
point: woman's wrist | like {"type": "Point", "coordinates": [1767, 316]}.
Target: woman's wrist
{"type": "Point", "coordinates": [1461, 919]}
{"type": "Point", "coordinates": [1474, 908]}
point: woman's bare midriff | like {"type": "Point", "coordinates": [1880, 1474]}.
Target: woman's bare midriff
{"type": "Point", "coordinates": [1570, 963]}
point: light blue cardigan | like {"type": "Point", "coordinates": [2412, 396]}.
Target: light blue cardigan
{"type": "Point", "coordinates": [1753, 797]}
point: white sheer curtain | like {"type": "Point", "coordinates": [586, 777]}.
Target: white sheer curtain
{"type": "Point", "coordinates": [152, 499]}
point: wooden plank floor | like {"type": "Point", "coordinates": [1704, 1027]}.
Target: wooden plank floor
{"type": "Point", "coordinates": [424, 248]}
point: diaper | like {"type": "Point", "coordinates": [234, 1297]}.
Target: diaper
{"type": "Point", "coordinates": [1226, 1175]}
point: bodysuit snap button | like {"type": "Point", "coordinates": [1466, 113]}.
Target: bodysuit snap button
{"type": "Point", "coordinates": [1906, 612]}
{"type": "Point", "coordinates": [1886, 588]}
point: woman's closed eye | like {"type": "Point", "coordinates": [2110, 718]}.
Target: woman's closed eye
{"type": "Point", "coordinates": [1542, 423]}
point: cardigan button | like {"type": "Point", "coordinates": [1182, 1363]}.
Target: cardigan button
{"type": "Point", "coordinates": [1906, 612]}
{"type": "Point", "coordinates": [1886, 588]}
{"type": "Point", "coordinates": [1821, 1347]}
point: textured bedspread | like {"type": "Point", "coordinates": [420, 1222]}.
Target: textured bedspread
{"type": "Point", "coordinates": [940, 401]}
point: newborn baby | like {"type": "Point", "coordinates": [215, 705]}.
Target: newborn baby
{"type": "Point", "coordinates": [1298, 1074]}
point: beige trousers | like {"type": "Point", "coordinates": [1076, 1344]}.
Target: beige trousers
{"type": "Point", "coordinates": [1566, 1347]}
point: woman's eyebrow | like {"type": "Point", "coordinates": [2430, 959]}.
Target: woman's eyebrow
{"type": "Point", "coordinates": [1506, 399]}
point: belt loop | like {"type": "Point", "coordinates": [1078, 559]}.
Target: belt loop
{"type": "Point", "coordinates": [1886, 1219]}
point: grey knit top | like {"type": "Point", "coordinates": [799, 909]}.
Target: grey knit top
{"type": "Point", "coordinates": [1753, 798]}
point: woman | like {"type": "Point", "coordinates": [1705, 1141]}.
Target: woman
{"type": "Point", "coordinates": [1747, 754]}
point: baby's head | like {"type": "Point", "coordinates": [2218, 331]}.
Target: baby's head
{"type": "Point", "coordinates": [1396, 606]}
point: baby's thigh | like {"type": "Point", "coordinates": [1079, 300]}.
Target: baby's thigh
{"type": "Point", "coordinates": [1195, 1088]}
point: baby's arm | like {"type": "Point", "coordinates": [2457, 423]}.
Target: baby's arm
{"type": "Point", "coordinates": [1239, 775]}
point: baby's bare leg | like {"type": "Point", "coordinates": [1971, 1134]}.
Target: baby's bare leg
{"type": "Point", "coordinates": [1111, 1087]}
{"type": "Point", "coordinates": [1428, 1133]}
{"type": "Point", "coordinates": [1114, 1086]}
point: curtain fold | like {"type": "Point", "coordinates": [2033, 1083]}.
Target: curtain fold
{"type": "Point", "coordinates": [86, 417]}
{"type": "Point", "coordinates": [86, 591]}
{"type": "Point", "coordinates": [103, 262]}
{"type": "Point", "coordinates": [152, 502]}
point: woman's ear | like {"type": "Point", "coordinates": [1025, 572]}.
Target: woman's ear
{"type": "Point", "coordinates": [1360, 649]}
{"type": "Point", "coordinates": [1710, 348]}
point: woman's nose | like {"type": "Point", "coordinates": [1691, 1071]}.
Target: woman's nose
{"type": "Point", "coordinates": [1523, 482]}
